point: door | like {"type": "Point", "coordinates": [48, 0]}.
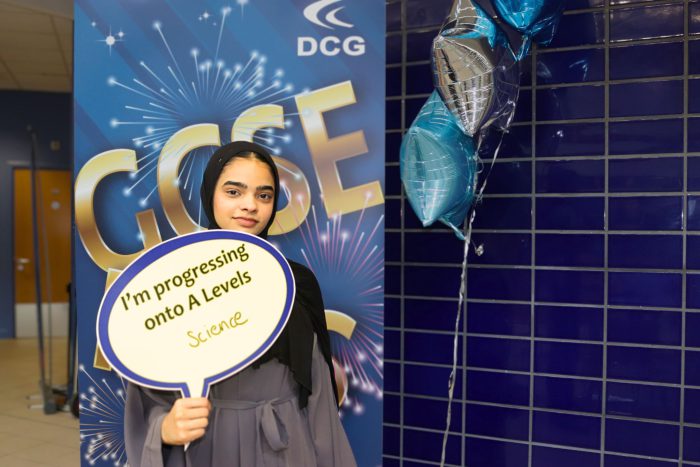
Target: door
{"type": "Point", "coordinates": [53, 188]}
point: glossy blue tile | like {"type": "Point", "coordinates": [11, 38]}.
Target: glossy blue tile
{"type": "Point", "coordinates": [427, 413]}
{"type": "Point", "coordinates": [570, 103]}
{"type": "Point", "coordinates": [392, 280]}
{"type": "Point", "coordinates": [694, 95]}
{"type": "Point", "coordinates": [547, 457]}
{"type": "Point", "coordinates": [582, 4]}
{"type": "Point", "coordinates": [692, 329]}
{"type": "Point", "coordinates": [579, 395]}
{"type": "Point", "coordinates": [503, 214]}
{"type": "Point", "coordinates": [420, 13]}
{"type": "Point", "coordinates": [692, 367]}
{"type": "Point", "coordinates": [497, 422]}
{"type": "Point", "coordinates": [566, 429]}
{"type": "Point", "coordinates": [498, 388]}
{"type": "Point", "coordinates": [413, 106]}
{"type": "Point", "coordinates": [431, 281]}
{"type": "Point", "coordinates": [566, 358]}
{"type": "Point", "coordinates": [393, 115]}
{"type": "Point", "coordinates": [419, 79]}
{"type": "Point", "coordinates": [693, 212]}
{"type": "Point", "coordinates": [526, 71]}
{"type": "Point", "coordinates": [694, 173]}
{"type": "Point", "coordinates": [693, 291]}
{"type": "Point", "coordinates": [624, 461]}
{"type": "Point", "coordinates": [691, 444]}
{"type": "Point", "coordinates": [645, 251]}
{"type": "Point", "coordinates": [393, 16]}
{"type": "Point", "coordinates": [392, 344]}
{"type": "Point", "coordinates": [488, 453]}
{"type": "Point", "coordinates": [646, 137]}
{"type": "Point", "coordinates": [391, 443]}
{"type": "Point", "coordinates": [393, 180]}
{"type": "Point", "coordinates": [510, 178]}
{"type": "Point", "coordinates": [694, 54]}
{"type": "Point", "coordinates": [694, 134]}
{"type": "Point", "coordinates": [428, 446]}
{"type": "Point", "coordinates": [575, 250]}
{"type": "Point", "coordinates": [392, 146]}
{"type": "Point", "coordinates": [393, 81]}
{"type": "Point", "coordinates": [523, 110]}
{"type": "Point", "coordinates": [500, 248]}
{"type": "Point", "coordinates": [643, 401]}
{"type": "Point", "coordinates": [419, 45]}
{"type": "Point", "coordinates": [392, 376]}
{"type": "Point", "coordinates": [644, 326]}
{"type": "Point", "coordinates": [426, 347]}
{"type": "Point", "coordinates": [392, 209]}
{"type": "Point", "coordinates": [392, 408]}
{"type": "Point", "coordinates": [436, 315]}
{"type": "Point", "coordinates": [392, 246]}
{"type": "Point", "coordinates": [499, 284]}
{"type": "Point", "coordinates": [646, 175]}
{"type": "Point", "coordinates": [498, 354]}
{"type": "Point", "coordinates": [581, 213]}
{"type": "Point", "coordinates": [644, 364]}
{"type": "Point", "coordinates": [571, 66]}
{"type": "Point", "coordinates": [694, 17]}
{"type": "Point", "coordinates": [580, 29]}
{"type": "Point", "coordinates": [517, 142]}
{"type": "Point", "coordinates": [646, 60]}
{"type": "Point", "coordinates": [646, 213]}
{"type": "Point", "coordinates": [569, 286]}
{"type": "Point", "coordinates": [692, 406]}
{"type": "Point", "coordinates": [566, 322]}
{"type": "Point", "coordinates": [660, 98]}
{"type": "Point", "coordinates": [644, 289]}
{"type": "Point", "coordinates": [390, 462]}
{"type": "Point", "coordinates": [392, 311]}
{"type": "Point", "coordinates": [570, 139]}
{"type": "Point", "coordinates": [430, 380]}
{"type": "Point", "coordinates": [646, 22]}
{"type": "Point", "coordinates": [578, 176]}
{"type": "Point", "coordinates": [498, 318]}
{"type": "Point", "coordinates": [418, 247]}
{"type": "Point", "coordinates": [642, 438]}
{"type": "Point", "coordinates": [393, 49]}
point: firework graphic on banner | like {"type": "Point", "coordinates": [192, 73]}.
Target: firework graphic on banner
{"type": "Point", "coordinates": [101, 420]}
{"type": "Point", "coordinates": [199, 89]}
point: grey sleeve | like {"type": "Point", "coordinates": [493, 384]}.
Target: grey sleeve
{"type": "Point", "coordinates": [327, 432]}
{"type": "Point", "coordinates": [143, 418]}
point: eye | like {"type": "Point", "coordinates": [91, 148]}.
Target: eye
{"type": "Point", "coordinates": [266, 196]}
{"type": "Point", "coordinates": [232, 192]}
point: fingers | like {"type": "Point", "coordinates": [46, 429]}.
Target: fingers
{"type": "Point", "coordinates": [187, 421]}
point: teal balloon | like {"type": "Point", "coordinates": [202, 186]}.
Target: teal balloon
{"type": "Point", "coordinates": [439, 166]}
{"type": "Point", "coordinates": [536, 19]}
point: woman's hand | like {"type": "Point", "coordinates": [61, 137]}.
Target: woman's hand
{"type": "Point", "coordinates": [186, 421]}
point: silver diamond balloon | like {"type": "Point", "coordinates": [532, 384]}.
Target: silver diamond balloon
{"type": "Point", "coordinates": [475, 70]}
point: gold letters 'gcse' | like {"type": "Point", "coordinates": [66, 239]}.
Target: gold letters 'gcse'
{"type": "Point", "coordinates": [325, 153]}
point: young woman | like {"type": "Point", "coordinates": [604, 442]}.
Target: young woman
{"type": "Point", "coordinates": [282, 410]}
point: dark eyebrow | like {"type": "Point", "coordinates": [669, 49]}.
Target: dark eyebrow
{"type": "Point", "coordinates": [238, 184]}
{"type": "Point", "coordinates": [266, 188]}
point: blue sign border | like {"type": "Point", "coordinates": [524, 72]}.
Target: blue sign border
{"type": "Point", "coordinates": [154, 254]}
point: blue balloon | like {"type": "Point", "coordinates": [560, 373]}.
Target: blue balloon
{"type": "Point", "coordinates": [439, 166]}
{"type": "Point", "coordinates": [537, 19]}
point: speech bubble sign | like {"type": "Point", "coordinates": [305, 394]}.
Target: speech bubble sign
{"type": "Point", "coordinates": [195, 309]}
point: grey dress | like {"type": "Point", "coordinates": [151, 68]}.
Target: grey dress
{"type": "Point", "coordinates": [255, 421]}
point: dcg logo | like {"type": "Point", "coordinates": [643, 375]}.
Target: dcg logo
{"type": "Point", "coordinates": [328, 45]}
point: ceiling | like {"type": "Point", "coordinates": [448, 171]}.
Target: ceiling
{"type": "Point", "coordinates": [36, 45]}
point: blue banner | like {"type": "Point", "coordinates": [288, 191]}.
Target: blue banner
{"type": "Point", "coordinates": [159, 85]}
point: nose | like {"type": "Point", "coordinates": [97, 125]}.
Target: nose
{"type": "Point", "coordinates": [249, 203]}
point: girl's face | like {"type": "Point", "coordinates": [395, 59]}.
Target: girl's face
{"type": "Point", "coordinates": [244, 196]}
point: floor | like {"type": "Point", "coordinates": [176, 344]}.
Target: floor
{"type": "Point", "coordinates": [28, 438]}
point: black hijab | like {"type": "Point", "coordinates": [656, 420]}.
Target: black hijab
{"type": "Point", "coordinates": [294, 347]}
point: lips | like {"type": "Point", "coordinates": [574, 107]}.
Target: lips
{"type": "Point", "coordinates": [246, 222]}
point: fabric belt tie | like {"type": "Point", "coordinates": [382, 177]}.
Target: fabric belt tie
{"type": "Point", "coordinates": [266, 414]}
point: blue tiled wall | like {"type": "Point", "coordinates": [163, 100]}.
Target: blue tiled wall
{"type": "Point", "coordinates": [581, 343]}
